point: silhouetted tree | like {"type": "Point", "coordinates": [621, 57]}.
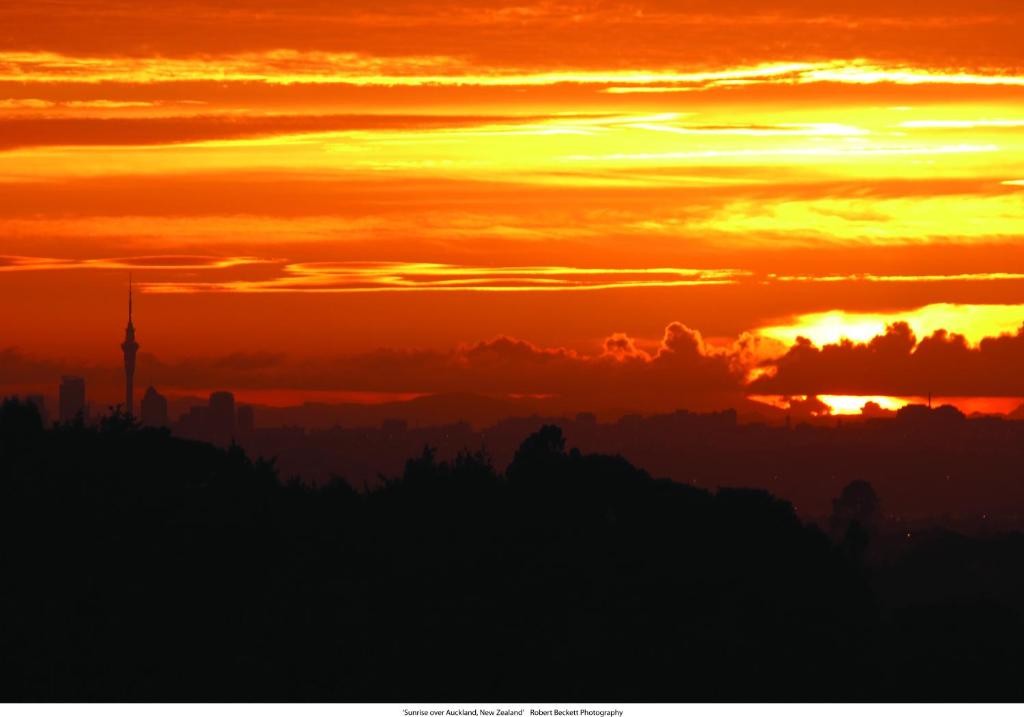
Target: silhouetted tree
{"type": "Point", "coordinates": [540, 455]}
{"type": "Point", "coordinates": [20, 424]}
{"type": "Point", "coordinates": [139, 566]}
{"type": "Point", "coordinates": [858, 503]}
{"type": "Point", "coordinates": [856, 515]}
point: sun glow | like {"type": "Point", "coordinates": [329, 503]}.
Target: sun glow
{"type": "Point", "coordinates": [837, 405]}
{"type": "Point", "coordinates": [974, 321]}
{"type": "Point", "coordinates": [886, 406]}
{"type": "Point", "coordinates": [851, 405]}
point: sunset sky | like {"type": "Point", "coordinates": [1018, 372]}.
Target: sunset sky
{"type": "Point", "coordinates": [642, 204]}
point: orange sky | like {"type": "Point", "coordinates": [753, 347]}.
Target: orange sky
{"type": "Point", "coordinates": [297, 187]}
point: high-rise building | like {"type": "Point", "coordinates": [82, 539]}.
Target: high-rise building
{"type": "Point", "coordinates": [154, 409]}
{"type": "Point", "coordinates": [72, 398]}
{"type": "Point", "coordinates": [129, 347]}
{"type": "Point", "coordinates": [220, 417]}
{"type": "Point", "coordinates": [192, 424]}
{"type": "Point", "coordinates": [40, 403]}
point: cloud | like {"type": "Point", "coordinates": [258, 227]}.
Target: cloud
{"type": "Point", "coordinates": [289, 67]}
{"type": "Point", "coordinates": [975, 321]}
{"type": "Point", "coordinates": [371, 276]}
{"type": "Point", "coordinates": [247, 211]}
{"type": "Point", "coordinates": [623, 348]}
{"type": "Point", "coordinates": [897, 363]}
{"type": "Point", "coordinates": [682, 370]}
{"type": "Point", "coordinates": [587, 32]}
{"type": "Point", "coordinates": [23, 132]}
{"type": "Point", "coordinates": [167, 261]}
{"type": "Point", "coordinates": [362, 277]}
{"type": "Point", "coordinates": [20, 369]}
{"type": "Point", "coordinates": [858, 222]}
{"type": "Point", "coordinates": [808, 407]}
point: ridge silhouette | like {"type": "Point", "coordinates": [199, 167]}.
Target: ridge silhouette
{"type": "Point", "coordinates": [927, 466]}
{"type": "Point", "coordinates": [141, 566]}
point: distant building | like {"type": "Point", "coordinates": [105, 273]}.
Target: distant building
{"type": "Point", "coordinates": [154, 409]}
{"type": "Point", "coordinates": [192, 423]}
{"type": "Point", "coordinates": [72, 398]}
{"type": "Point", "coordinates": [220, 417]}
{"type": "Point", "coordinates": [40, 403]}
{"type": "Point", "coordinates": [246, 420]}
{"type": "Point", "coordinates": [129, 347]}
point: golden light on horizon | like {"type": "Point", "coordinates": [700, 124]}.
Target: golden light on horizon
{"type": "Point", "coordinates": [857, 405]}
{"type": "Point", "coordinates": [974, 322]}
{"type": "Point", "coordinates": [852, 405]}
{"type": "Point", "coordinates": [411, 180]}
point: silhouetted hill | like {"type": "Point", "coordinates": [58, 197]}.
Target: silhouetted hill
{"type": "Point", "coordinates": [139, 566]}
{"type": "Point", "coordinates": [927, 466]}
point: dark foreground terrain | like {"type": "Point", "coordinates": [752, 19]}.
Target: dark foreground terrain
{"type": "Point", "coordinates": [138, 566]}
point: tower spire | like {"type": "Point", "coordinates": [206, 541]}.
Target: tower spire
{"type": "Point", "coordinates": [129, 348]}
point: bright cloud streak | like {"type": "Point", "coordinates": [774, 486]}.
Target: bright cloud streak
{"type": "Point", "coordinates": [364, 277]}
{"type": "Point", "coordinates": [883, 221]}
{"type": "Point", "coordinates": [962, 124]}
{"type": "Point", "coordinates": [187, 263]}
{"type": "Point", "coordinates": [291, 67]}
{"type": "Point", "coordinates": [893, 278]}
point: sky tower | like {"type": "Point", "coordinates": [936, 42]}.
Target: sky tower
{"type": "Point", "coordinates": [130, 347]}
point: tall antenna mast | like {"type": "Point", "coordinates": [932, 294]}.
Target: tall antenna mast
{"type": "Point", "coordinates": [130, 347]}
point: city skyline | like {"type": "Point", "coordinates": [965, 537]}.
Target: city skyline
{"type": "Point", "coordinates": [736, 385]}
{"type": "Point", "coordinates": [216, 422]}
